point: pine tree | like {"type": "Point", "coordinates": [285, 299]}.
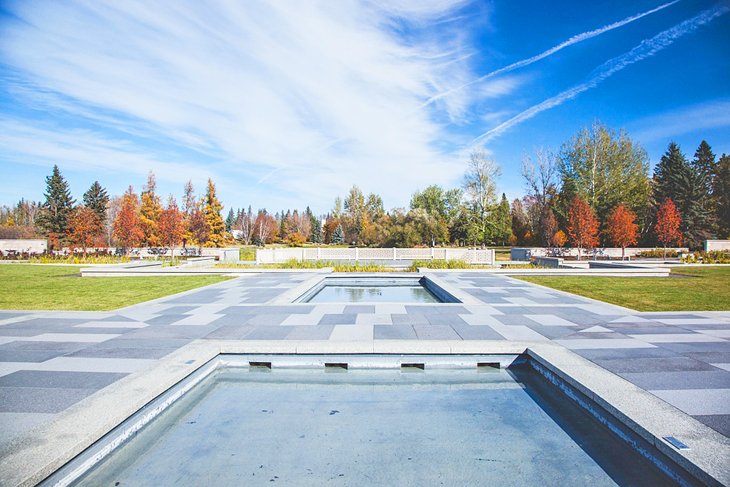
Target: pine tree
{"type": "Point", "coordinates": [678, 180]}
{"type": "Point", "coordinates": [704, 163]}
{"type": "Point", "coordinates": [721, 193]}
{"type": "Point", "coordinates": [54, 215]}
{"type": "Point", "coordinates": [217, 236]}
{"type": "Point", "coordinates": [316, 229]}
{"type": "Point", "coordinates": [338, 236]}
{"type": "Point", "coordinates": [97, 199]}
{"type": "Point", "coordinates": [503, 222]}
{"type": "Point", "coordinates": [149, 213]}
{"type": "Point", "coordinates": [230, 220]}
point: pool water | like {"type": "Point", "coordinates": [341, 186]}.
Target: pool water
{"type": "Point", "coordinates": [373, 427]}
{"type": "Point", "coordinates": [373, 294]}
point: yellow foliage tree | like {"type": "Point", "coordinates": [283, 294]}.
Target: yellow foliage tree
{"type": "Point", "coordinates": [149, 213]}
{"type": "Point", "coordinates": [217, 235]}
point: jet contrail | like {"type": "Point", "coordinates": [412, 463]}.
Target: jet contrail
{"type": "Point", "coordinates": [573, 40]}
{"type": "Point", "coordinates": [645, 49]}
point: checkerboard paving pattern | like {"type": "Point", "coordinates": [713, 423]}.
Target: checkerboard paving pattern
{"type": "Point", "coordinates": [51, 360]}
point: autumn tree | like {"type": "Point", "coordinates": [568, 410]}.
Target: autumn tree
{"type": "Point", "coordinates": [84, 228]}
{"type": "Point", "coordinates": [582, 225]}
{"type": "Point", "coordinates": [196, 226]}
{"type": "Point", "coordinates": [481, 193]}
{"type": "Point", "coordinates": [127, 230]}
{"type": "Point", "coordinates": [265, 228]}
{"type": "Point", "coordinates": [668, 223]}
{"type": "Point", "coordinates": [621, 228]}
{"type": "Point", "coordinates": [149, 213]}
{"type": "Point", "coordinates": [171, 225]}
{"type": "Point", "coordinates": [217, 236]}
{"type": "Point", "coordinates": [55, 212]}
{"type": "Point", "coordinates": [97, 199]}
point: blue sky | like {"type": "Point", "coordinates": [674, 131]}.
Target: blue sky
{"type": "Point", "coordinates": [289, 103]}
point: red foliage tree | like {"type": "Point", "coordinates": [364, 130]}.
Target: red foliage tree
{"type": "Point", "coordinates": [265, 228]}
{"type": "Point", "coordinates": [621, 228]}
{"type": "Point", "coordinates": [582, 225]}
{"type": "Point", "coordinates": [198, 227]}
{"type": "Point", "coordinates": [667, 224]}
{"type": "Point", "coordinates": [127, 230]}
{"type": "Point", "coordinates": [84, 228]}
{"type": "Point", "coordinates": [171, 225]}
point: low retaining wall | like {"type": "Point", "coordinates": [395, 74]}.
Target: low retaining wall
{"type": "Point", "coordinates": [472, 256]}
{"type": "Point", "coordinates": [23, 245]}
{"type": "Point", "coordinates": [526, 253]}
{"type": "Point", "coordinates": [711, 245]}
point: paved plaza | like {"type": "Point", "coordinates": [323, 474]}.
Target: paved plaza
{"type": "Point", "coordinates": [52, 360]}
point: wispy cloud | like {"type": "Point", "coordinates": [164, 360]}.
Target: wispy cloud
{"type": "Point", "coordinates": [526, 62]}
{"type": "Point", "coordinates": [304, 97]}
{"type": "Point", "coordinates": [700, 117]}
{"type": "Point", "coordinates": [645, 49]}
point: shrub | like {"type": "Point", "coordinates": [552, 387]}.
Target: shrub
{"type": "Point", "coordinates": [657, 253]}
{"type": "Point", "coordinates": [711, 257]}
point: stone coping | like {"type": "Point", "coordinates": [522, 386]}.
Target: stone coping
{"type": "Point", "coordinates": [36, 455]}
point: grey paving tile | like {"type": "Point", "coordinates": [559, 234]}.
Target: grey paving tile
{"type": "Point", "coordinates": [320, 332]}
{"type": "Point", "coordinates": [338, 319]}
{"type": "Point", "coordinates": [28, 355]}
{"type": "Point", "coordinates": [468, 332]}
{"type": "Point", "coordinates": [230, 332]}
{"type": "Point", "coordinates": [393, 332]}
{"type": "Point", "coordinates": [166, 319]}
{"type": "Point", "coordinates": [269, 333]}
{"type": "Point", "coordinates": [626, 353]}
{"type": "Point", "coordinates": [514, 320]}
{"type": "Point", "coordinates": [58, 379]}
{"type": "Point", "coordinates": [704, 379]}
{"type": "Point", "coordinates": [267, 319]}
{"type": "Point", "coordinates": [15, 424]}
{"type": "Point", "coordinates": [100, 352]}
{"type": "Point", "coordinates": [179, 310]}
{"type": "Point", "coordinates": [702, 347]}
{"type": "Point", "coordinates": [666, 364]}
{"type": "Point", "coordinates": [718, 422]}
{"type": "Point", "coordinates": [435, 332]}
{"type": "Point", "coordinates": [513, 310]}
{"type": "Point", "coordinates": [711, 357]}
{"type": "Point", "coordinates": [551, 332]}
{"type": "Point", "coordinates": [445, 319]}
{"type": "Point", "coordinates": [356, 309]}
{"type": "Point", "coordinates": [40, 400]}
{"type": "Point", "coordinates": [436, 309]}
{"type": "Point", "coordinates": [117, 318]}
{"type": "Point", "coordinates": [409, 319]}
{"type": "Point", "coordinates": [144, 343]}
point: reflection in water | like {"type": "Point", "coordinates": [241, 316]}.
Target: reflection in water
{"type": "Point", "coordinates": [360, 294]}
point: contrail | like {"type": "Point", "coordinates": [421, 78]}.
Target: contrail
{"type": "Point", "coordinates": [573, 40]}
{"type": "Point", "coordinates": [645, 49]}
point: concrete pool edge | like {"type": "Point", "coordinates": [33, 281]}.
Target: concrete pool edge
{"type": "Point", "coordinates": [41, 452]}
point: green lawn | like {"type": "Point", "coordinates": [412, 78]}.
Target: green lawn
{"type": "Point", "coordinates": [52, 287]}
{"type": "Point", "coordinates": [693, 289]}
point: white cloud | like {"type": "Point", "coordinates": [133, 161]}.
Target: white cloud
{"type": "Point", "coordinates": [323, 93]}
{"type": "Point", "coordinates": [684, 120]}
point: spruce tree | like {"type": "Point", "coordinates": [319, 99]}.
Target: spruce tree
{"type": "Point", "coordinates": [97, 199]}
{"type": "Point", "coordinates": [55, 212]}
{"type": "Point", "coordinates": [678, 180]}
{"type": "Point", "coordinates": [316, 229]}
{"type": "Point", "coordinates": [503, 222]}
{"type": "Point", "coordinates": [338, 236]}
{"type": "Point", "coordinates": [721, 193]}
{"type": "Point", "coordinates": [704, 162]}
{"type": "Point", "coordinates": [230, 220]}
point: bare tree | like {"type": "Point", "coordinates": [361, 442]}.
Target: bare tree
{"type": "Point", "coordinates": [541, 185]}
{"type": "Point", "coordinates": [480, 187]}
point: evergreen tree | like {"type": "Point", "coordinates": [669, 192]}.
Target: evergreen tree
{"type": "Point", "coordinates": [678, 180]}
{"type": "Point", "coordinates": [97, 199]}
{"type": "Point", "coordinates": [149, 213]}
{"type": "Point", "coordinates": [316, 229]}
{"type": "Point", "coordinates": [217, 236]}
{"type": "Point", "coordinates": [338, 236]}
{"type": "Point", "coordinates": [704, 163]}
{"type": "Point", "coordinates": [503, 222]}
{"type": "Point", "coordinates": [721, 193]}
{"type": "Point", "coordinates": [55, 213]}
{"type": "Point", "coordinates": [230, 220]}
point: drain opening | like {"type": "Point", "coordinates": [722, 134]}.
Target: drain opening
{"type": "Point", "coordinates": [335, 366]}
{"type": "Point", "coordinates": [488, 366]}
{"type": "Point", "coordinates": [259, 365]}
{"type": "Point", "coordinates": [412, 366]}
{"type": "Point", "coordinates": [675, 443]}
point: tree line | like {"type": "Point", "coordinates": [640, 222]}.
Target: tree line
{"type": "Point", "coordinates": [596, 190]}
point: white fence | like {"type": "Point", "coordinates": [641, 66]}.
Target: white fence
{"type": "Point", "coordinates": [472, 256]}
{"type": "Point", "coordinates": [21, 245]}
{"type": "Point", "coordinates": [525, 253]}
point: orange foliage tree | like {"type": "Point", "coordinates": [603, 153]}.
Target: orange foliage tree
{"type": "Point", "coordinates": [667, 224]}
{"type": "Point", "coordinates": [582, 225]}
{"type": "Point", "coordinates": [171, 227]}
{"type": "Point", "coordinates": [621, 228]}
{"type": "Point", "coordinates": [84, 228]}
{"type": "Point", "coordinates": [126, 226]}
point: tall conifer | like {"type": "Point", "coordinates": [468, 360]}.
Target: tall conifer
{"type": "Point", "coordinates": [56, 210]}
